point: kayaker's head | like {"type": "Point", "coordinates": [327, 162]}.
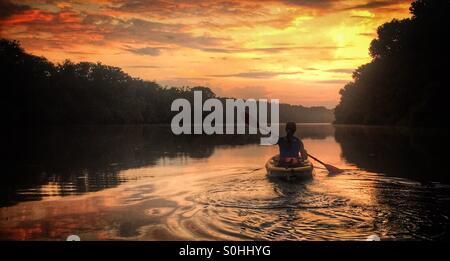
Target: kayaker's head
{"type": "Point", "coordinates": [291, 128]}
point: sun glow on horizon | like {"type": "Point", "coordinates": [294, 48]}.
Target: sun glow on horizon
{"type": "Point", "coordinates": [299, 52]}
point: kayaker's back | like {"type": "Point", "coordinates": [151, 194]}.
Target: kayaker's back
{"type": "Point", "coordinates": [289, 146]}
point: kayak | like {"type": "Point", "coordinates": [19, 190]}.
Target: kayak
{"type": "Point", "coordinates": [303, 171]}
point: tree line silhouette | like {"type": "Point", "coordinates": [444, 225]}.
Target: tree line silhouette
{"type": "Point", "coordinates": [407, 81]}
{"type": "Point", "coordinates": [37, 91]}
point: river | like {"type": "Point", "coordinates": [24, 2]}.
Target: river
{"type": "Point", "coordinates": [143, 183]}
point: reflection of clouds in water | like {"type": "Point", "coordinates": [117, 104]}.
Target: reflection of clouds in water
{"type": "Point", "coordinates": [228, 196]}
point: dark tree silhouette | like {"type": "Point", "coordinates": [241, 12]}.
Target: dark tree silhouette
{"type": "Point", "coordinates": [407, 81]}
{"type": "Point", "coordinates": [38, 92]}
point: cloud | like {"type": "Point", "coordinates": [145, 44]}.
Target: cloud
{"type": "Point", "coordinates": [143, 66]}
{"type": "Point", "coordinates": [122, 22]}
{"type": "Point", "coordinates": [142, 31]}
{"type": "Point", "coordinates": [377, 4]}
{"type": "Point", "coordinates": [372, 35]}
{"type": "Point", "coordinates": [189, 79]}
{"type": "Point", "coordinates": [186, 8]}
{"type": "Point", "coordinates": [256, 74]}
{"type": "Point", "coordinates": [337, 81]}
{"type": "Point", "coordinates": [79, 52]}
{"type": "Point", "coordinates": [229, 7]}
{"type": "Point", "coordinates": [144, 51]}
{"type": "Point", "coordinates": [243, 92]}
{"type": "Point", "coordinates": [8, 9]}
{"type": "Point", "coordinates": [361, 17]}
{"type": "Point", "coordinates": [343, 71]}
{"type": "Point", "coordinates": [70, 28]}
{"type": "Point", "coordinates": [269, 49]}
{"type": "Point", "coordinates": [344, 58]}
{"type": "Point", "coordinates": [312, 3]}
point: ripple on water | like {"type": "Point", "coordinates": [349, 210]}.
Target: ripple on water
{"type": "Point", "coordinates": [248, 205]}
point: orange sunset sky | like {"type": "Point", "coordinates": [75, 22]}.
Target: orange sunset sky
{"type": "Point", "coordinates": [299, 51]}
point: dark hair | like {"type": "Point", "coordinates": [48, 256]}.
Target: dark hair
{"type": "Point", "coordinates": [291, 128]}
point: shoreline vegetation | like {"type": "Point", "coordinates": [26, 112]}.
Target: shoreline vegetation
{"type": "Point", "coordinates": [407, 82]}
{"type": "Point", "coordinates": [42, 93]}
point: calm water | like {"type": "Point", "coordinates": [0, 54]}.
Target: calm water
{"type": "Point", "coordinates": [142, 183]}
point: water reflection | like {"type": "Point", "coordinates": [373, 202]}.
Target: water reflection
{"type": "Point", "coordinates": [399, 152]}
{"type": "Point", "coordinates": [90, 158]}
{"type": "Point", "coordinates": [142, 183]}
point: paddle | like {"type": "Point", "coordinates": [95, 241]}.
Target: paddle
{"type": "Point", "coordinates": [330, 168]}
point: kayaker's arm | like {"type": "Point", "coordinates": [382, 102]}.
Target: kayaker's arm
{"type": "Point", "coordinates": [303, 152]}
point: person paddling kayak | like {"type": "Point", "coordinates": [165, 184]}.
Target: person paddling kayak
{"type": "Point", "coordinates": [291, 147]}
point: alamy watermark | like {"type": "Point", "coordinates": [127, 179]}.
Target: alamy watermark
{"type": "Point", "coordinates": [239, 115]}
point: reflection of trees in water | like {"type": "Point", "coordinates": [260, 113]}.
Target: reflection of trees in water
{"type": "Point", "coordinates": [310, 131]}
{"type": "Point", "coordinates": [89, 158]}
{"type": "Point", "coordinates": [401, 152]}
{"type": "Point", "coordinates": [78, 159]}
{"type": "Point", "coordinates": [407, 209]}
